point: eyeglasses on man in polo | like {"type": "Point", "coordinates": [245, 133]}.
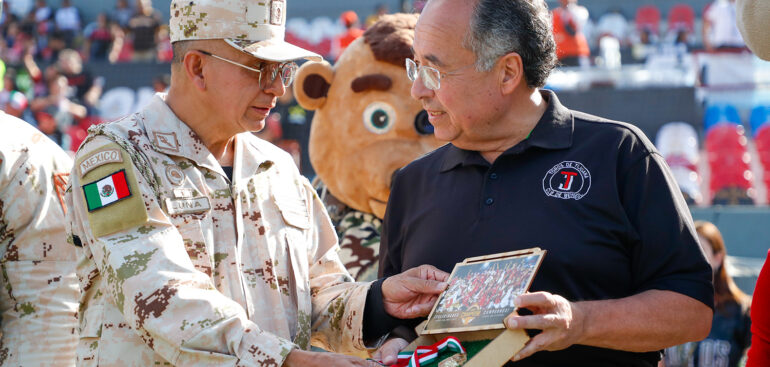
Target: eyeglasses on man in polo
{"type": "Point", "coordinates": [430, 76]}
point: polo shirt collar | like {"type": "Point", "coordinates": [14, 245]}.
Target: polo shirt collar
{"type": "Point", "coordinates": [553, 131]}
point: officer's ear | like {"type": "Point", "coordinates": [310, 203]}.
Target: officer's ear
{"type": "Point", "coordinates": [192, 63]}
{"type": "Point", "coordinates": [312, 84]}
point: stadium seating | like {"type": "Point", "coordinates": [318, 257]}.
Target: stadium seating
{"type": "Point", "coordinates": [681, 16]}
{"type": "Point", "coordinates": [717, 113]}
{"type": "Point", "coordinates": [613, 24]}
{"type": "Point", "coordinates": [760, 116]}
{"type": "Point", "coordinates": [731, 180]}
{"type": "Point", "coordinates": [648, 17]}
{"type": "Point", "coordinates": [677, 142]}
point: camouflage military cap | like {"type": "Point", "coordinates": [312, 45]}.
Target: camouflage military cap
{"type": "Point", "coordinates": [254, 26]}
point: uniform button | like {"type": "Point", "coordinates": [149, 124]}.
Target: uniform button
{"type": "Point", "coordinates": [489, 201]}
{"type": "Point", "coordinates": [493, 176]}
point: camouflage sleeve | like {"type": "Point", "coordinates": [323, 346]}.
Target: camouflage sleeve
{"type": "Point", "coordinates": [38, 286]}
{"type": "Point", "coordinates": [338, 302]}
{"type": "Point", "coordinates": [151, 280]}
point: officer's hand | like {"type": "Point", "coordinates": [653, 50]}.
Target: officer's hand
{"type": "Point", "coordinates": [560, 320]}
{"type": "Point", "coordinates": [303, 358]}
{"type": "Point", "coordinates": [388, 352]}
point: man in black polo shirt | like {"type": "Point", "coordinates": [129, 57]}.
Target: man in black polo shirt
{"type": "Point", "coordinates": [624, 276]}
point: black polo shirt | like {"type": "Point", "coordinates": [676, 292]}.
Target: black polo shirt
{"type": "Point", "coordinates": [594, 193]}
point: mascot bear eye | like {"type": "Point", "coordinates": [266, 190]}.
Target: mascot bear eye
{"type": "Point", "coordinates": [379, 117]}
{"type": "Point", "coordinates": [422, 124]}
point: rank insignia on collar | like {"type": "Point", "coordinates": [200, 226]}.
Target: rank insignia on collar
{"type": "Point", "coordinates": [166, 141]}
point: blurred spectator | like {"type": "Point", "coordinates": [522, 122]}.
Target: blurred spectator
{"type": "Point", "coordinates": [719, 28]}
{"type": "Point", "coordinates": [295, 124]}
{"type": "Point", "coordinates": [571, 44]}
{"type": "Point", "coordinates": [165, 52]}
{"type": "Point", "coordinates": [122, 13]}
{"type": "Point", "coordinates": [55, 113]}
{"type": "Point", "coordinates": [352, 31]}
{"type": "Point", "coordinates": [644, 45]}
{"type": "Point", "coordinates": [16, 43]}
{"type": "Point", "coordinates": [161, 83]}
{"type": "Point", "coordinates": [17, 104]}
{"type": "Point", "coordinates": [613, 24]}
{"type": "Point", "coordinates": [67, 20]}
{"type": "Point", "coordinates": [144, 27]}
{"type": "Point", "coordinates": [56, 42]}
{"type": "Point", "coordinates": [43, 15]}
{"type": "Point", "coordinates": [122, 49]}
{"type": "Point", "coordinates": [98, 39]}
{"type": "Point", "coordinates": [43, 18]}
{"type": "Point", "coordinates": [730, 334]}
{"type": "Point", "coordinates": [12, 101]}
{"type": "Point", "coordinates": [39, 86]}
{"type": "Point", "coordinates": [19, 8]}
{"type": "Point", "coordinates": [380, 10]}
{"type": "Point", "coordinates": [85, 88]}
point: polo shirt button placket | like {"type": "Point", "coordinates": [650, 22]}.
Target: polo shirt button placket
{"type": "Point", "coordinates": [489, 201]}
{"type": "Point", "coordinates": [493, 176]}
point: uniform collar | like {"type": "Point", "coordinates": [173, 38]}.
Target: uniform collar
{"type": "Point", "coordinates": [553, 131]}
{"type": "Point", "coordinates": [171, 136]}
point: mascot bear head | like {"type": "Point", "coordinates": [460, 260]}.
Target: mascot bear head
{"type": "Point", "coordinates": [366, 125]}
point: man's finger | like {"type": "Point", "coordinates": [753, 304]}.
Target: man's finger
{"type": "Point", "coordinates": [422, 309]}
{"type": "Point", "coordinates": [533, 346]}
{"type": "Point", "coordinates": [425, 286]}
{"type": "Point", "coordinates": [537, 299]}
{"type": "Point", "coordinates": [431, 272]}
{"type": "Point", "coordinates": [388, 353]}
{"type": "Point", "coordinates": [538, 322]}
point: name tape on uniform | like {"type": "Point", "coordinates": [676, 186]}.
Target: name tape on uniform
{"type": "Point", "coordinates": [98, 159]}
{"type": "Point", "coordinates": [187, 206]}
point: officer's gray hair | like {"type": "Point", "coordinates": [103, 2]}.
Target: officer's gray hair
{"type": "Point", "coordinates": [179, 48]}
{"type": "Point", "coordinates": [498, 27]}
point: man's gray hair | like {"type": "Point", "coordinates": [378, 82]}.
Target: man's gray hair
{"type": "Point", "coordinates": [498, 27]}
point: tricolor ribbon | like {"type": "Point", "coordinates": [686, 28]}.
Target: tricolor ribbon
{"type": "Point", "coordinates": [427, 354]}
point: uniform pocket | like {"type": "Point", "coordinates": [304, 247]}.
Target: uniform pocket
{"type": "Point", "coordinates": [293, 210]}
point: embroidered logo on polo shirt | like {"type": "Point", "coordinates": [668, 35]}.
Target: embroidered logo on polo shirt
{"type": "Point", "coordinates": [567, 180]}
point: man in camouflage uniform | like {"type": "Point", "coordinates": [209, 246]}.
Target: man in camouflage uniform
{"type": "Point", "coordinates": [40, 290]}
{"type": "Point", "coordinates": [202, 244]}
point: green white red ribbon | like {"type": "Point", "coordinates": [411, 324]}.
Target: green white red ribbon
{"type": "Point", "coordinates": [427, 354]}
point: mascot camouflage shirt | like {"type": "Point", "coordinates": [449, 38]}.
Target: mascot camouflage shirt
{"type": "Point", "coordinates": [182, 267]}
{"type": "Point", "coordinates": [40, 289]}
{"type": "Point", "coordinates": [359, 235]}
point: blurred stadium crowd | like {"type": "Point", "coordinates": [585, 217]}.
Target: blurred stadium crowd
{"type": "Point", "coordinates": [722, 159]}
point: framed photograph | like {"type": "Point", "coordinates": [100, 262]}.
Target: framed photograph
{"type": "Point", "coordinates": [481, 291]}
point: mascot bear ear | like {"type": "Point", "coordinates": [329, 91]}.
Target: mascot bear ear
{"type": "Point", "coordinates": [312, 84]}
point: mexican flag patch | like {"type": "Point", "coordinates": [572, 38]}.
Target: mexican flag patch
{"type": "Point", "coordinates": [106, 191]}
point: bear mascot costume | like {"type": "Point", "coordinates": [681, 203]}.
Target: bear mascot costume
{"type": "Point", "coordinates": [366, 126]}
